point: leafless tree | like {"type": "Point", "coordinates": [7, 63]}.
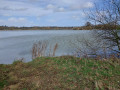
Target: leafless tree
{"type": "Point", "coordinates": [90, 46]}
{"type": "Point", "coordinates": [107, 16]}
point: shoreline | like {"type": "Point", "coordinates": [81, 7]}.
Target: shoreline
{"type": "Point", "coordinates": [65, 72]}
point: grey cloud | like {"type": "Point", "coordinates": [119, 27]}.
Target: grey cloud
{"type": "Point", "coordinates": [13, 9]}
{"type": "Point", "coordinates": [23, 8]}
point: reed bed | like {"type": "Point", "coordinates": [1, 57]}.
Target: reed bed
{"type": "Point", "coordinates": [40, 49]}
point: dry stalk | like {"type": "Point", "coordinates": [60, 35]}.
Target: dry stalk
{"type": "Point", "coordinates": [39, 49]}
{"type": "Point", "coordinates": [55, 48]}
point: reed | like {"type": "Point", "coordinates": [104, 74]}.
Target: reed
{"type": "Point", "coordinates": [40, 49]}
{"type": "Point", "coordinates": [55, 48]}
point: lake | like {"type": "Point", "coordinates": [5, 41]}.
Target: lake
{"type": "Point", "coordinates": [18, 44]}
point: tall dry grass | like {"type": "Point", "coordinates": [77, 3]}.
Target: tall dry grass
{"type": "Point", "coordinates": [55, 48]}
{"type": "Point", "coordinates": [40, 49]}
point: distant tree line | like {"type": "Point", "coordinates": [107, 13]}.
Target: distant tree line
{"type": "Point", "coordinates": [87, 26]}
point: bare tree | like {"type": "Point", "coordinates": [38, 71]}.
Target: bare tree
{"type": "Point", "coordinates": [90, 46]}
{"type": "Point", "coordinates": [107, 16]}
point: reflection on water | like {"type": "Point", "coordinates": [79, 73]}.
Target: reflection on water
{"type": "Point", "coordinates": [18, 44]}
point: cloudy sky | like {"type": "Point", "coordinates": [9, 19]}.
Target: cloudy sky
{"type": "Point", "coordinates": [44, 12]}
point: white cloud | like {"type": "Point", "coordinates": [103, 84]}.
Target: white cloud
{"type": "Point", "coordinates": [55, 8]}
{"type": "Point", "coordinates": [1, 21]}
{"type": "Point", "coordinates": [51, 20]}
{"type": "Point", "coordinates": [89, 5]}
{"type": "Point", "coordinates": [12, 21]}
{"type": "Point", "coordinates": [61, 9]}
{"type": "Point", "coordinates": [80, 6]}
{"type": "Point", "coordinates": [20, 8]}
{"type": "Point", "coordinates": [74, 4]}
{"type": "Point", "coordinates": [12, 5]}
{"type": "Point", "coordinates": [22, 19]}
{"type": "Point", "coordinates": [39, 9]}
{"type": "Point", "coordinates": [16, 8]}
{"type": "Point", "coordinates": [50, 6]}
{"type": "Point", "coordinates": [76, 17]}
{"type": "Point", "coordinates": [5, 14]}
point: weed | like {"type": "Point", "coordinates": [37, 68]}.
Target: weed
{"type": "Point", "coordinates": [65, 72]}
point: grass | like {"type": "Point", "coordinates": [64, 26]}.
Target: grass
{"type": "Point", "coordinates": [65, 72]}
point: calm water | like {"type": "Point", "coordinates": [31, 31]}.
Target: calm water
{"type": "Point", "coordinates": [18, 44]}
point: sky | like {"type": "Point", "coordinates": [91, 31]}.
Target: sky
{"type": "Point", "coordinates": [44, 12]}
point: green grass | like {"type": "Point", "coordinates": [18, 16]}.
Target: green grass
{"type": "Point", "coordinates": [58, 73]}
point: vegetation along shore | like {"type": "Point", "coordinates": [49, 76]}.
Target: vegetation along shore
{"type": "Point", "coordinates": [65, 72]}
{"type": "Point", "coordinates": [87, 26]}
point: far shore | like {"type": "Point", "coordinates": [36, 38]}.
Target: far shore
{"type": "Point", "coordinates": [44, 28]}
{"type": "Point", "coordinates": [91, 27]}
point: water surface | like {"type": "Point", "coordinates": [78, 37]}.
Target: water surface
{"type": "Point", "coordinates": [18, 44]}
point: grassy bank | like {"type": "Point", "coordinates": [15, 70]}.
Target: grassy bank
{"type": "Point", "coordinates": [58, 73]}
